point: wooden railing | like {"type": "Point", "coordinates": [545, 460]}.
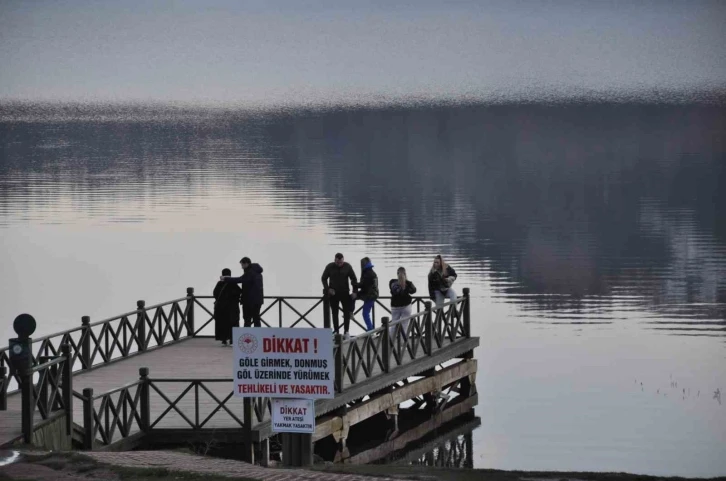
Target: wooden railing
{"type": "Point", "coordinates": [123, 411]}
{"type": "Point", "coordinates": [50, 396]}
{"type": "Point", "coordinates": [99, 343]}
{"type": "Point", "coordinates": [383, 349]}
{"type": "Point", "coordinates": [298, 311]}
{"type": "Point", "coordinates": [153, 403]}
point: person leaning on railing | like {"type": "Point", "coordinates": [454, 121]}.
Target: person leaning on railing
{"type": "Point", "coordinates": [401, 290]}
{"type": "Point", "coordinates": [335, 284]}
{"type": "Point", "coordinates": [441, 277]}
{"type": "Point", "coordinates": [367, 290]}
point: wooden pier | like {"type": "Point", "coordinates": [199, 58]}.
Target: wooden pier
{"type": "Point", "coordinates": [154, 375]}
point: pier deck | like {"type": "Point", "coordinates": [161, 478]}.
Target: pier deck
{"type": "Point", "coordinates": [188, 389]}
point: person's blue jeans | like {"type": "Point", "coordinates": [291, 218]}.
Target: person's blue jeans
{"type": "Point", "coordinates": [367, 307]}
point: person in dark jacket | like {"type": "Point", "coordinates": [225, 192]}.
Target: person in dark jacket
{"type": "Point", "coordinates": [226, 309]}
{"type": "Point", "coordinates": [367, 290]}
{"type": "Point", "coordinates": [401, 290]}
{"type": "Point", "coordinates": [335, 285]}
{"type": "Point", "coordinates": [441, 277]}
{"type": "Point", "coordinates": [253, 293]}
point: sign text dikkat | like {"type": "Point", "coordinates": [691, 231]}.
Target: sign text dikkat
{"type": "Point", "coordinates": [283, 363]}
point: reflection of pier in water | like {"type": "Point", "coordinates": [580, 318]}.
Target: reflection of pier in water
{"type": "Point", "coordinates": [432, 430]}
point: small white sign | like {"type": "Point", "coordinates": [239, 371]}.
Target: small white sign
{"type": "Point", "coordinates": [295, 363]}
{"type": "Point", "coordinates": [293, 416]}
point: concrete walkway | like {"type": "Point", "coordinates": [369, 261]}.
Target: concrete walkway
{"type": "Point", "coordinates": [175, 461]}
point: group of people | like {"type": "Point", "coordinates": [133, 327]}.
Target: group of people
{"type": "Point", "coordinates": [340, 284]}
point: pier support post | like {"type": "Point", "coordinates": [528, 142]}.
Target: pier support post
{"type": "Point", "coordinates": [248, 455]}
{"type": "Point", "coordinates": [265, 453]}
{"type": "Point", "coordinates": [89, 430]}
{"type": "Point", "coordinates": [297, 449]}
{"type": "Point", "coordinates": [141, 325]}
{"type": "Point", "coordinates": [28, 404]}
{"type": "Point", "coordinates": [467, 314]}
{"type": "Point", "coordinates": [190, 311]}
{"type": "Point", "coordinates": [469, 443]}
{"type": "Point", "coordinates": [144, 401]}
{"type": "Point", "coordinates": [86, 342]}
{"type": "Point", "coordinates": [67, 391]}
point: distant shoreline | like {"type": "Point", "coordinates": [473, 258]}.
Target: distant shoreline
{"type": "Point", "coordinates": [24, 110]}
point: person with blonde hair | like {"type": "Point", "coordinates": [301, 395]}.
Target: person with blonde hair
{"type": "Point", "coordinates": [441, 277]}
{"type": "Point", "coordinates": [401, 290]}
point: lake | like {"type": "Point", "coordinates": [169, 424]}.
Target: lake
{"type": "Point", "coordinates": [592, 237]}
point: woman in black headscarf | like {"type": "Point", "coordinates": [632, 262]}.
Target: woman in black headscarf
{"type": "Point", "coordinates": [226, 309]}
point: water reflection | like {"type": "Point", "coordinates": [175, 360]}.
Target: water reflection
{"type": "Point", "coordinates": [577, 213]}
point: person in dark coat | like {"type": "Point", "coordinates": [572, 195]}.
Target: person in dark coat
{"type": "Point", "coordinates": [253, 292]}
{"type": "Point", "coordinates": [441, 277]}
{"type": "Point", "coordinates": [401, 290]}
{"type": "Point", "coordinates": [226, 309]}
{"type": "Point", "coordinates": [367, 290]}
{"type": "Point", "coordinates": [335, 283]}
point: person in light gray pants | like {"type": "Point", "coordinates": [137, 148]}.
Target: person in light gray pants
{"type": "Point", "coordinates": [401, 290]}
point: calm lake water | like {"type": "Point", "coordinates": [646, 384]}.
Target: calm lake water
{"type": "Point", "coordinates": [592, 238]}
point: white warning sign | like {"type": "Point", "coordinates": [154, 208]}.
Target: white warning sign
{"type": "Point", "coordinates": [293, 415]}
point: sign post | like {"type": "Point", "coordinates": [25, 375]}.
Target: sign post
{"type": "Point", "coordinates": [293, 366]}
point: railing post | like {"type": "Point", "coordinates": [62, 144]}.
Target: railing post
{"type": "Point", "coordinates": [326, 309]}
{"type": "Point", "coordinates": [428, 329]}
{"type": "Point", "coordinates": [88, 423]}
{"type": "Point", "coordinates": [386, 345]}
{"type": "Point", "coordinates": [86, 342]}
{"type": "Point", "coordinates": [67, 376]}
{"type": "Point", "coordinates": [248, 455]}
{"type": "Point", "coordinates": [141, 325]}
{"type": "Point", "coordinates": [28, 404]}
{"type": "Point", "coordinates": [467, 314]}
{"type": "Point", "coordinates": [3, 388]}
{"type": "Point", "coordinates": [144, 404]}
{"type": "Point", "coordinates": [339, 363]}
{"type": "Point", "coordinates": [190, 311]}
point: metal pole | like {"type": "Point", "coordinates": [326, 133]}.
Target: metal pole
{"type": "Point", "coordinates": [67, 375]}
{"type": "Point", "coordinates": [28, 404]}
